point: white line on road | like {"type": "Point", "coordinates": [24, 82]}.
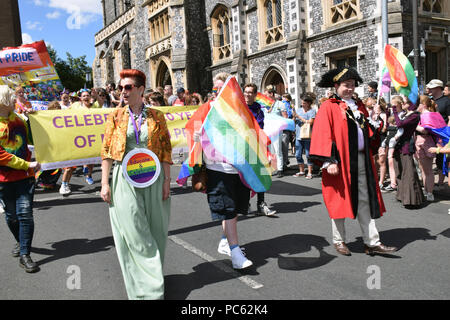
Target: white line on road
{"type": "Point", "coordinates": [244, 279]}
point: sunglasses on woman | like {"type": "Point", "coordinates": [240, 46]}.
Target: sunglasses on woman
{"type": "Point", "coordinates": [127, 87]}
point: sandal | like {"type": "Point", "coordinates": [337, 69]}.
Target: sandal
{"type": "Point", "coordinates": [309, 176]}
{"type": "Point", "coordinates": [298, 174]}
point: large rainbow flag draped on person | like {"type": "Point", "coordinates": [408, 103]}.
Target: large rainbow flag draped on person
{"type": "Point", "coordinates": [402, 73]}
{"type": "Point", "coordinates": [231, 134]}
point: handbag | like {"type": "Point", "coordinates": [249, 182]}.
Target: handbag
{"type": "Point", "coordinates": [305, 131]}
{"type": "Point", "coordinates": [199, 180]}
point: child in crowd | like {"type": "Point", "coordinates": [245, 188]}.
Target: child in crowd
{"type": "Point", "coordinates": [392, 136]}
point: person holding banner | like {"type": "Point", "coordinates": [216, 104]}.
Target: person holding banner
{"type": "Point", "coordinates": [17, 180]}
{"type": "Point", "coordinates": [65, 101]}
{"type": "Point", "coordinates": [137, 139]}
{"type": "Point", "coordinates": [343, 142]}
{"type": "Point", "coordinates": [87, 169]}
{"type": "Point", "coordinates": [22, 104]}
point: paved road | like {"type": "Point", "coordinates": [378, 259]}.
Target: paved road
{"type": "Point", "coordinates": [292, 252]}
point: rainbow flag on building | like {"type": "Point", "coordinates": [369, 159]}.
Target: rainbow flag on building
{"type": "Point", "coordinates": [402, 73]}
{"type": "Point", "coordinates": [264, 100]}
{"type": "Point", "coordinates": [230, 134]}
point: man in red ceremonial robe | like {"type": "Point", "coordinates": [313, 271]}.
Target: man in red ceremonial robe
{"type": "Point", "coordinates": [343, 142]}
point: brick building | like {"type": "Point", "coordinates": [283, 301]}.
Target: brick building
{"type": "Point", "coordinates": [10, 29]}
{"type": "Point", "coordinates": [286, 43]}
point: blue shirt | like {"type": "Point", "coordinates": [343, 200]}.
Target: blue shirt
{"type": "Point", "coordinates": [255, 108]}
{"type": "Point", "coordinates": [311, 114]}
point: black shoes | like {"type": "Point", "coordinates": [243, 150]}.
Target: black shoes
{"type": "Point", "coordinates": [16, 251]}
{"type": "Point", "coordinates": [29, 265]}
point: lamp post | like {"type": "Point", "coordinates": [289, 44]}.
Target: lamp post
{"type": "Point", "coordinates": [88, 79]}
{"type": "Point", "coordinates": [385, 35]}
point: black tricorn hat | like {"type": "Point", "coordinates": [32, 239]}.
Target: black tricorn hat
{"type": "Point", "coordinates": [338, 75]}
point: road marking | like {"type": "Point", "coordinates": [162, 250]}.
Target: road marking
{"type": "Point", "coordinates": [244, 279]}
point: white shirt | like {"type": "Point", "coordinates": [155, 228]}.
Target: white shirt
{"type": "Point", "coordinates": [352, 105]}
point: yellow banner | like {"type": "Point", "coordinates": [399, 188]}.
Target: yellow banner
{"type": "Point", "coordinates": [74, 137]}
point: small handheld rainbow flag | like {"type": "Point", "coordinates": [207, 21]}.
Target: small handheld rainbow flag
{"type": "Point", "coordinates": [402, 73]}
{"type": "Point", "coordinates": [264, 100]}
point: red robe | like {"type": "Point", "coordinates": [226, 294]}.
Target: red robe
{"type": "Point", "coordinates": [335, 137]}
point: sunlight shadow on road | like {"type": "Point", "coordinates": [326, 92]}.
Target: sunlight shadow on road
{"type": "Point", "coordinates": [73, 247]}
{"type": "Point", "coordinates": [292, 189]}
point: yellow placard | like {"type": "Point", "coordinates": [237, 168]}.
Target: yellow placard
{"type": "Point", "coordinates": [73, 137]}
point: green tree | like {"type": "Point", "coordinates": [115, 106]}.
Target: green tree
{"type": "Point", "coordinates": [72, 71]}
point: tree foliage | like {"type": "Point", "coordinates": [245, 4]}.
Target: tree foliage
{"type": "Point", "coordinates": [72, 71]}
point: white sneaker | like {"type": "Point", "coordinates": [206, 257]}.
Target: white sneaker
{"type": "Point", "coordinates": [430, 196]}
{"type": "Point", "coordinates": [224, 248]}
{"type": "Point", "coordinates": [238, 259]}
{"type": "Point", "coordinates": [65, 189]}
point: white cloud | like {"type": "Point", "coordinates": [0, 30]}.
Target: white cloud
{"type": "Point", "coordinates": [38, 2]}
{"type": "Point", "coordinates": [81, 12]}
{"type": "Point", "coordinates": [33, 25]}
{"type": "Point", "coordinates": [53, 15]}
{"type": "Point", "coordinates": [84, 6]}
{"type": "Point", "coordinates": [26, 38]}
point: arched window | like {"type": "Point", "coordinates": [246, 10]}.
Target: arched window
{"type": "Point", "coordinates": [432, 6]}
{"type": "Point", "coordinates": [220, 23]}
{"type": "Point", "coordinates": [342, 10]}
{"type": "Point", "coordinates": [159, 26]}
{"type": "Point", "coordinates": [273, 12]}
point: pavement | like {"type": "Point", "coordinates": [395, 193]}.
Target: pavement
{"type": "Point", "coordinates": [292, 252]}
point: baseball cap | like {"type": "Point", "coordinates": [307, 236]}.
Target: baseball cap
{"type": "Point", "coordinates": [435, 83]}
{"type": "Point", "coordinates": [180, 90]}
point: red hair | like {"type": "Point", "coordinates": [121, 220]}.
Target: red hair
{"type": "Point", "coordinates": [137, 75]}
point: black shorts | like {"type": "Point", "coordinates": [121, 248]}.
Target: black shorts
{"type": "Point", "coordinates": [227, 195]}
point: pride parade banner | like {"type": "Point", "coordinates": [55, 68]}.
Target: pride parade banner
{"type": "Point", "coordinates": [73, 137]}
{"type": "Point", "coordinates": [31, 67]}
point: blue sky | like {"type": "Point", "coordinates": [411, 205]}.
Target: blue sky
{"type": "Point", "coordinates": [67, 25]}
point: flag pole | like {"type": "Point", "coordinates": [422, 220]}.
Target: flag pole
{"type": "Point", "coordinates": [384, 21]}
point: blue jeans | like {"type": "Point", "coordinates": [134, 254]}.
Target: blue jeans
{"type": "Point", "coordinates": [301, 145]}
{"type": "Point", "coordinates": [17, 198]}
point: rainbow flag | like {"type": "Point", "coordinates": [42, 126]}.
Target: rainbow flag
{"type": "Point", "coordinates": [231, 134]}
{"type": "Point", "coordinates": [274, 124]}
{"type": "Point", "coordinates": [264, 100]}
{"type": "Point", "coordinates": [402, 73]}
{"type": "Point", "coordinates": [385, 83]}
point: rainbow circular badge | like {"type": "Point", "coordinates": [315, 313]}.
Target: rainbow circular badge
{"type": "Point", "coordinates": [141, 167]}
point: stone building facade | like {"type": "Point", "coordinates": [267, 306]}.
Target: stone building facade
{"type": "Point", "coordinates": [285, 43]}
{"type": "Point", "coordinates": [10, 29]}
{"type": "Point", "coordinates": [265, 45]}
{"type": "Point", "coordinates": [163, 38]}
{"type": "Point", "coordinates": [350, 32]}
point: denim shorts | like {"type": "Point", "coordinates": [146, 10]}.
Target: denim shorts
{"type": "Point", "coordinates": [227, 195]}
